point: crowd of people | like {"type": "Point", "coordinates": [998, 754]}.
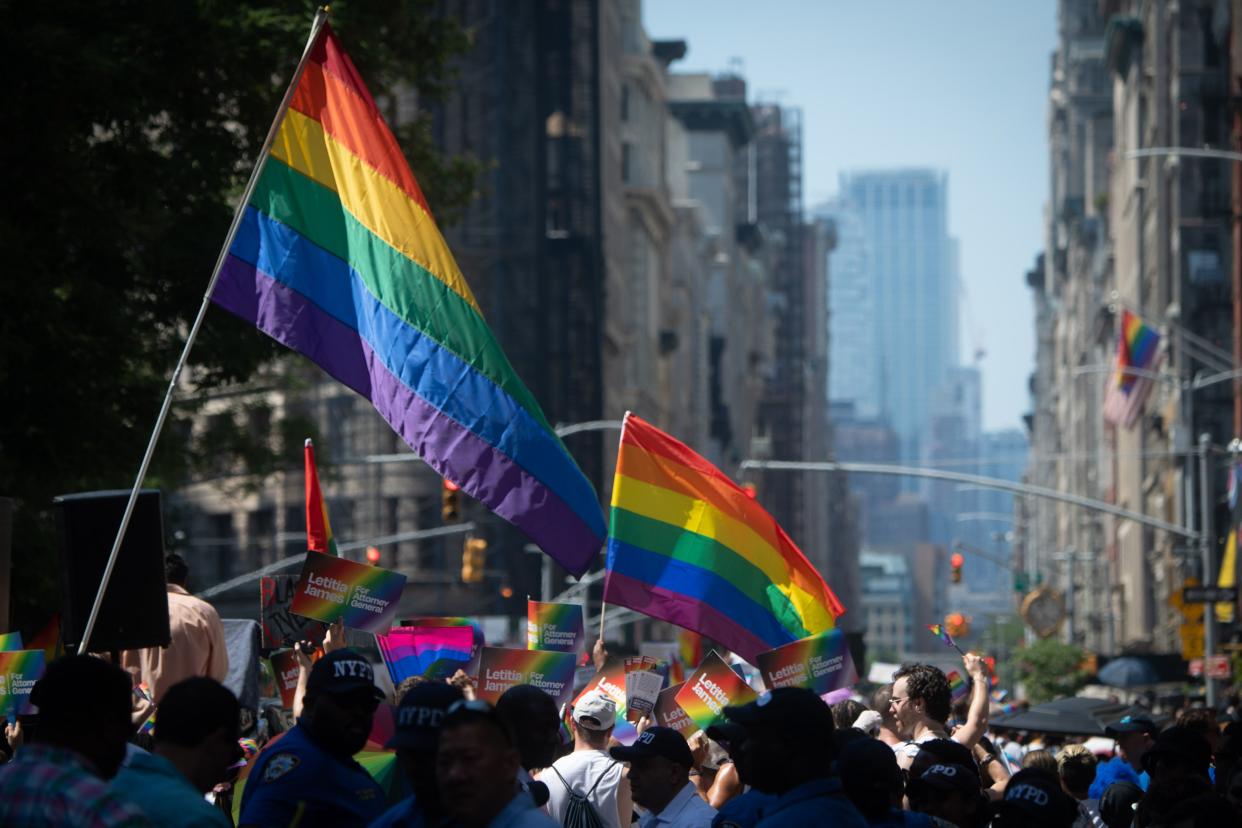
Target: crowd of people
{"type": "Point", "coordinates": [904, 756]}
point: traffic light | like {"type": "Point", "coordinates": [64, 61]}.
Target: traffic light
{"type": "Point", "coordinates": [373, 556]}
{"type": "Point", "coordinates": [955, 564]}
{"type": "Point", "coordinates": [450, 501]}
{"type": "Point", "coordinates": [473, 560]}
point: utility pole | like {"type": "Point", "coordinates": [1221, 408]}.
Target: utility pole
{"type": "Point", "coordinates": [1205, 548]}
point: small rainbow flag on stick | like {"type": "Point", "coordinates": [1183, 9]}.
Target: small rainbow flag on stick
{"type": "Point", "coordinates": [318, 529]}
{"type": "Point", "coordinates": [943, 635]}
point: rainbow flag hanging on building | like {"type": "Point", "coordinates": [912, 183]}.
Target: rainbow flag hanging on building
{"type": "Point", "coordinates": [1138, 348]}
{"type": "Point", "coordinates": [687, 545]}
{"type": "Point", "coordinates": [338, 257]}
{"type": "Point", "coordinates": [318, 529]}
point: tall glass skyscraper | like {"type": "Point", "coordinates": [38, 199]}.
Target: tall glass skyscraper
{"type": "Point", "coordinates": [912, 266]}
{"type": "Point", "coordinates": [853, 373]}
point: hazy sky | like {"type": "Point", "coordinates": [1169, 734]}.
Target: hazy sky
{"type": "Point", "coordinates": [950, 84]}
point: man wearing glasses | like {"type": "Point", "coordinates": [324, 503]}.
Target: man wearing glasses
{"type": "Point", "coordinates": [309, 776]}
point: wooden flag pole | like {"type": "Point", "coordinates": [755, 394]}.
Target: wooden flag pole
{"type": "Point", "coordinates": [321, 17]}
{"type": "Point", "coordinates": [603, 605]}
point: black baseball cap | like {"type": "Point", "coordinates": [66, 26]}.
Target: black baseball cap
{"type": "Point", "coordinates": [1034, 796]}
{"type": "Point", "coordinates": [418, 717]}
{"type": "Point", "coordinates": [789, 708]}
{"type": "Point", "coordinates": [1132, 724]}
{"type": "Point", "coordinates": [948, 777]}
{"type": "Point", "coordinates": [656, 741]}
{"type": "Point", "coordinates": [341, 672]}
{"type": "Point", "coordinates": [1180, 744]}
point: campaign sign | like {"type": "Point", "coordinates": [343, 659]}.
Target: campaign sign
{"type": "Point", "coordinates": [364, 597]}
{"type": "Point", "coordinates": [280, 627]}
{"type": "Point", "coordinates": [711, 688]}
{"type": "Point", "coordinates": [554, 627]}
{"type": "Point", "coordinates": [821, 662]}
{"type": "Point", "coordinates": [668, 712]}
{"type": "Point", "coordinates": [285, 667]}
{"type": "Point", "coordinates": [610, 681]}
{"type": "Point", "coordinates": [19, 670]}
{"type": "Point", "coordinates": [501, 668]}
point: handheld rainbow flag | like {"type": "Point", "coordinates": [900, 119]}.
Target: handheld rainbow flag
{"type": "Point", "coordinates": [943, 634]}
{"type": "Point", "coordinates": [687, 545]}
{"type": "Point", "coordinates": [1138, 348]}
{"type": "Point", "coordinates": [431, 652]}
{"type": "Point", "coordinates": [337, 256]}
{"type": "Point", "coordinates": [10, 642]}
{"type": "Point", "coordinates": [318, 529]}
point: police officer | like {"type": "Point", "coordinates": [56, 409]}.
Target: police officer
{"type": "Point", "coordinates": [788, 752]}
{"type": "Point", "coordinates": [415, 736]}
{"type": "Point", "coordinates": [309, 775]}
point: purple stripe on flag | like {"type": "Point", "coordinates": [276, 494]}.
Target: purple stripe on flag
{"type": "Point", "coordinates": [485, 472]}
{"type": "Point", "coordinates": [684, 612]}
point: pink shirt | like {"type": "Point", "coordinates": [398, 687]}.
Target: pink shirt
{"type": "Point", "coordinates": [197, 646]}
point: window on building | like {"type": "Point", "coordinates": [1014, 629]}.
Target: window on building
{"type": "Point", "coordinates": [625, 102]}
{"type": "Point", "coordinates": [627, 162]}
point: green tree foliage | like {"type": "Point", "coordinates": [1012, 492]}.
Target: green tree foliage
{"type": "Point", "coordinates": [129, 131]}
{"type": "Point", "coordinates": [1048, 669]}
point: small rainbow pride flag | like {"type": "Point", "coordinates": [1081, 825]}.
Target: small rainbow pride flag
{"type": "Point", "coordinates": [431, 652]}
{"type": "Point", "coordinates": [338, 256]}
{"type": "Point", "coordinates": [1138, 349]}
{"type": "Point", "coordinates": [958, 688]}
{"type": "Point", "coordinates": [318, 530]}
{"type": "Point", "coordinates": [687, 545]}
{"type": "Point", "coordinates": [942, 634]}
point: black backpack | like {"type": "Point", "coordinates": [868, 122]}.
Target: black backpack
{"type": "Point", "coordinates": [579, 812]}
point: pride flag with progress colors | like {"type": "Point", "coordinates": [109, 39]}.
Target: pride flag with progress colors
{"type": "Point", "coordinates": [318, 530]}
{"type": "Point", "coordinates": [338, 257]}
{"type": "Point", "coordinates": [687, 545]}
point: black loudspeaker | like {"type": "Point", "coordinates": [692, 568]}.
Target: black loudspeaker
{"type": "Point", "coordinates": [134, 613]}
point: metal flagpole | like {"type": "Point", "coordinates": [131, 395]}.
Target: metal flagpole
{"type": "Point", "coordinates": [1205, 548]}
{"type": "Point", "coordinates": [321, 17]}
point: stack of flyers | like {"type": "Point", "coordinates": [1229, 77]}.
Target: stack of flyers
{"type": "Point", "coordinates": [643, 683]}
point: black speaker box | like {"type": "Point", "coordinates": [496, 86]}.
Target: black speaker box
{"type": "Point", "coordinates": [134, 613]}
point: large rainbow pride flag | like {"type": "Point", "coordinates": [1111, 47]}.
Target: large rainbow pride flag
{"type": "Point", "coordinates": [338, 257]}
{"type": "Point", "coordinates": [687, 545]}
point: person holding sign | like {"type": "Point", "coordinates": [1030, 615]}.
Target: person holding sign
{"type": "Point", "coordinates": [310, 774]}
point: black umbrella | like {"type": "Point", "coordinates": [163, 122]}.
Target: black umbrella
{"type": "Point", "coordinates": [1072, 716]}
{"type": "Point", "coordinates": [1128, 671]}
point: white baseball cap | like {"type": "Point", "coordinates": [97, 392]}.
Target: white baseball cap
{"type": "Point", "coordinates": [596, 711]}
